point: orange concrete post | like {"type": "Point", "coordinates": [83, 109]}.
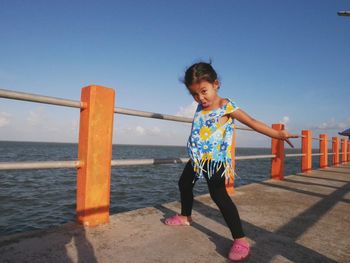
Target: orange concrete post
{"type": "Point", "coordinates": [306, 149]}
{"type": "Point", "coordinates": [343, 151]}
{"type": "Point", "coordinates": [335, 150]}
{"type": "Point", "coordinates": [230, 184]}
{"type": "Point", "coordinates": [95, 153]}
{"type": "Point", "coordinates": [277, 148]}
{"type": "Point", "coordinates": [323, 150]}
{"type": "Point", "coordinates": [348, 151]}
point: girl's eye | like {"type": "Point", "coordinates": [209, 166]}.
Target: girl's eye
{"type": "Point", "coordinates": [204, 91]}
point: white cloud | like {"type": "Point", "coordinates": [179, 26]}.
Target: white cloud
{"type": "Point", "coordinates": [334, 125]}
{"type": "Point", "coordinates": [284, 120]}
{"type": "Point", "coordinates": [36, 117]}
{"type": "Point", "coordinates": [187, 111]}
{"type": "Point", "coordinates": [154, 131]}
{"type": "Point", "coordinates": [4, 119]}
{"type": "Point", "coordinates": [140, 130]}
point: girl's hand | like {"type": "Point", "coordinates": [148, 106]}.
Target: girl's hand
{"type": "Point", "coordinates": [285, 135]}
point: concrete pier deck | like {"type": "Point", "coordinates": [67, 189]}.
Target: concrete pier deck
{"type": "Point", "coordinates": [305, 218]}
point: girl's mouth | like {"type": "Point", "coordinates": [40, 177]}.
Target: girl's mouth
{"type": "Point", "coordinates": [205, 104]}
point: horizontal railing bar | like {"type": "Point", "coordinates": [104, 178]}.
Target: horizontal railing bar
{"type": "Point", "coordinates": [317, 154]}
{"type": "Point", "coordinates": [125, 162]}
{"type": "Point", "coordinates": [151, 115]}
{"type": "Point", "coordinates": [8, 94]}
{"type": "Point", "coordinates": [249, 157]}
{"type": "Point", "coordinates": [130, 162]}
{"type": "Point", "coordinates": [16, 95]}
{"type": "Point", "coordinates": [77, 104]}
{"type": "Point", "coordinates": [294, 154]}
{"type": "Point", "coordinates": [39, 165]}
{"type": "Point", "coordinates": [161, 116]}
{"type": "Point", "coordinates": [317, 139]}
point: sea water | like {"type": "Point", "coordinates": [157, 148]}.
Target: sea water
{"type": "Point", "coordinates": [39, 199]}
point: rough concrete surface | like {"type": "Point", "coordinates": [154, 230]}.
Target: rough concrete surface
{"type": "Point", "coordinates": [305, 218]}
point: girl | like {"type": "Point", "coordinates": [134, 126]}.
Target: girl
{"type": "Point", "coordinates": [209, 148]}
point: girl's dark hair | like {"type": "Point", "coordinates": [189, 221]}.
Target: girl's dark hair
{"type": "Point", "coordinates": [199, 72]}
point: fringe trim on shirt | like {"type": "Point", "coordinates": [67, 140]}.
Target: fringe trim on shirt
{"type": "Point", "coordinates": [211, 167]}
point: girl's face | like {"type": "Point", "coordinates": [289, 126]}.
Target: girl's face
{"type": "Point", "coordinates": [205, 93]}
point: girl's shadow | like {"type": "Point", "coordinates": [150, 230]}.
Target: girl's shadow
{"type": "Point", "coordinates": [221, 243]}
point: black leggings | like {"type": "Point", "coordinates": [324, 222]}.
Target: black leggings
{"type": "Point", "coordinates": [218, 193]}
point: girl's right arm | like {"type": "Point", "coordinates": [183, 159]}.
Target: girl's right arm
{"type": "Point", "coordinates": [261, 127]}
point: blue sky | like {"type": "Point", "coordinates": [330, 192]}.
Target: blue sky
{"type": "Point", "coordinates": [279, 61]}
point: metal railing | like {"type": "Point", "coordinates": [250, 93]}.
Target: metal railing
{"type": "Point", "coordinates": [126, 162]}
{"type": "Point", "coordinates": [39, 165]}
{"type": "Point", "coordinates": [294, 154]}
{"type": "Point", "coordinates": [8, 94]}
{"type": "Point", "coordinates": [77, 104]}
{"type": "Point", "coordinates": [83, 190]}
{"type": "Point", "coordinates": [15, 95]}
{"type": "Point", "coordinates": [114, 163]}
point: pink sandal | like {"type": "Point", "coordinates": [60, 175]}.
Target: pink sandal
{"type": "Point", "coordinates": [176, 220]}
{"type": "Point", "coordinates": [239, 251]}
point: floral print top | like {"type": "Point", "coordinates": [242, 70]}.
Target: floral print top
{"type": "Point", "coordinates": [209, 144]}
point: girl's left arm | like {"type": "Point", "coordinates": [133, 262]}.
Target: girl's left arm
{"type": "Point", "coordinates": [261, 127]}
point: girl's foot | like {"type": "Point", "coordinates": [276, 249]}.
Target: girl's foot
{"type": "Point", "coordinates": [178, 220]}
{"type": "Point", "coordinates": [240, 250]}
